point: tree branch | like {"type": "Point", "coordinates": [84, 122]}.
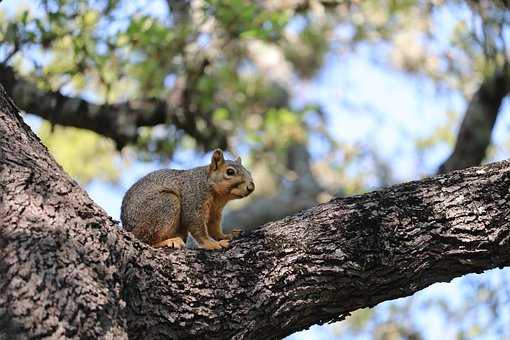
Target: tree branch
{"type": "Point", "coordinates": [475, 132]}
{"type": "Point", "coordinates": [67, 271]}
{"type": "Point", "coordinates": [120, 122]}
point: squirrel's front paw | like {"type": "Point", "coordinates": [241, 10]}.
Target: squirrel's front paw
{"type": "Point", "coordinates": [212, 245]}
{"type": "Point", "coordinates": [224, 243]}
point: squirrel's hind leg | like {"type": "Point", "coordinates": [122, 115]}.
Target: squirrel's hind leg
{"type": "Point", "coordinates": [166, 215]}
{"type": "Point", "coordinates": [175, 242]}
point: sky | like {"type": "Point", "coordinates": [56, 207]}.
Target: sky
{"type": "Point", "coordinates": [398, 106]}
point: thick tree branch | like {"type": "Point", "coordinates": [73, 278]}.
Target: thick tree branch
{"type": "Point", "coordinates": [67, 271]}
{"type": "Point", "coordinates": [120, 122]}
{"type": "Point", "coordinates": [475, 132]}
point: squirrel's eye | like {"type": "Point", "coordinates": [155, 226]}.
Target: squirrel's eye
{"type": "Point", "coordinates": [231, 172]}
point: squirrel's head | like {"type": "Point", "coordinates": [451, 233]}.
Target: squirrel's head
{"type": "Point", "coordinates": [229, 179]}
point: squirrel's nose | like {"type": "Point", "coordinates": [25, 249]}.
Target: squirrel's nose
{"type": "Point", "coordinates": [251, 186]}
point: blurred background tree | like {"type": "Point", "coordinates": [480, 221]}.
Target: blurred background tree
{"type": "Point", "coordinates": [320, 98]}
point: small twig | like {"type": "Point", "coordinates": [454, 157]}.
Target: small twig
{"type": "Point", "coordinates": [12, 53]}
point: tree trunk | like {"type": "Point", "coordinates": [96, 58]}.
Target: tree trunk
{"type": "Point", "coordinates": [67, 270]}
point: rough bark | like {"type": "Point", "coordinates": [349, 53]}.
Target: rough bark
{"type": "Point", "coordinates": [474, 136]}
{"type": "Point", "coordinates": [67, 270]}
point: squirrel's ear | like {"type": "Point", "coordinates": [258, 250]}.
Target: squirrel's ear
{"type": "Point", "coordinates": [217, 160]}
{"type": "Point", "coordinates": [238, 159]}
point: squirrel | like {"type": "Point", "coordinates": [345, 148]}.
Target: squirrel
{"type": "Point", "coordinates": [164, 206]}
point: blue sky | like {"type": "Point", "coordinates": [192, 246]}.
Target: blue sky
{"type": "Point", "coordinates": [391, 109]}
